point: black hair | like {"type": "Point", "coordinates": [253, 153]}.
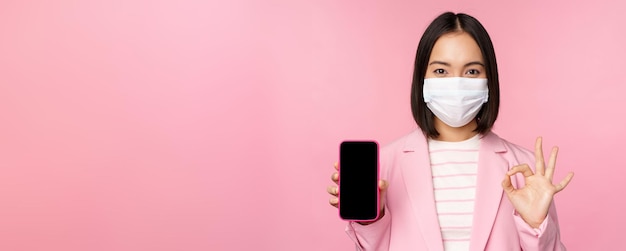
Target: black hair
{"type": "Point", "coordinates": [446, 23]}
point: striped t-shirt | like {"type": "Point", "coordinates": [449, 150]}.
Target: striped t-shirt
{"type": "Point", "coordinates": [454, 167]}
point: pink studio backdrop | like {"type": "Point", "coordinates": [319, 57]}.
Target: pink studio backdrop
{"type": "Point", "coordinates": [194, 125]}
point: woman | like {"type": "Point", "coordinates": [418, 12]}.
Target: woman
{"type": "Point", "coordinates": [454, 184]}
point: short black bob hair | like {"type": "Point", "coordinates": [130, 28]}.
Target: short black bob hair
{"type": "Point", "coordinates": [446, 23]}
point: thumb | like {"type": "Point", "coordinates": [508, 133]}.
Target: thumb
{"type": "Point", "coordinates": [507, 185]}
{"type": "Point", "coordinates": [382, 185]}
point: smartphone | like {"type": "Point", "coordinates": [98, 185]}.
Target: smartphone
{"type": "Point", "coordinates": [358, 181]}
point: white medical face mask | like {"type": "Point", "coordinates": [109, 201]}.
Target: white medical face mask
{"type": "Point", "coordinates": [455, 101]}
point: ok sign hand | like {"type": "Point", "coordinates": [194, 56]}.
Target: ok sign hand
{"type": "Point", "coordinates": [533, 200]}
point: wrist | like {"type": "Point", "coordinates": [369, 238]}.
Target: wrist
{"type": "Point", "coordinates": [534, 223]}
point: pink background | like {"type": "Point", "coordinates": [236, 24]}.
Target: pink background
{"type": "Point", "coordinates": [187, 125]}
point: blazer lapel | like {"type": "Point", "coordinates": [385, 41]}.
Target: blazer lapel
{"type": "Point", "coordinates": [417, 176]}
{"type": "Point", "coordinates": [492, 167]}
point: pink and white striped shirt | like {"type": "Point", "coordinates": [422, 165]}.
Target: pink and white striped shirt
{"type": "Point", "coordinates": [454, 166]}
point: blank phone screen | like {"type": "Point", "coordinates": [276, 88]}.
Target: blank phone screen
{"type": "Point", "coordinates": [358, 180]}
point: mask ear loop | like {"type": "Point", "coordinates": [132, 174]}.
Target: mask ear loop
{"type": "Point", "coordinates": [480, 112]}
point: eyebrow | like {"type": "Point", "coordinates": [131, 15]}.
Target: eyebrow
{"type": "Point", "coordinates": [466, 65]}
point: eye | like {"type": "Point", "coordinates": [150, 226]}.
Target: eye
{"type": "Point", "coordinates": [439, 71]}
{"type": "Point", "coordinates": [472, 72]}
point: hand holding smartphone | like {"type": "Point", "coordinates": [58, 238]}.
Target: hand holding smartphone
{"type": "Point", "coordinates": [359, 197]}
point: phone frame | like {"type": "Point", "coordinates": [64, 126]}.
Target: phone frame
{"type": "Point", "coordinates": [377, 180]}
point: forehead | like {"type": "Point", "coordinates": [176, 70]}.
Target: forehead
{"type": "Point", "coordinates": [456, 48]}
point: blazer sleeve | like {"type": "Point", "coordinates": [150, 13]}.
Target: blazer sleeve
{"type": "Point", "coordinates": [372, 237]}
{"type": "Point", "coordinates": [547, 237]}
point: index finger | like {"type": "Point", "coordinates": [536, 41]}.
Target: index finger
{"type": "Point", "coordinates": [539, 161]}
{"type": "Point", "coordinates": [337, 166]}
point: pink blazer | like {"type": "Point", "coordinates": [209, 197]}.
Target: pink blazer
{"type": "Point", "coordinates": [410, 221]}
